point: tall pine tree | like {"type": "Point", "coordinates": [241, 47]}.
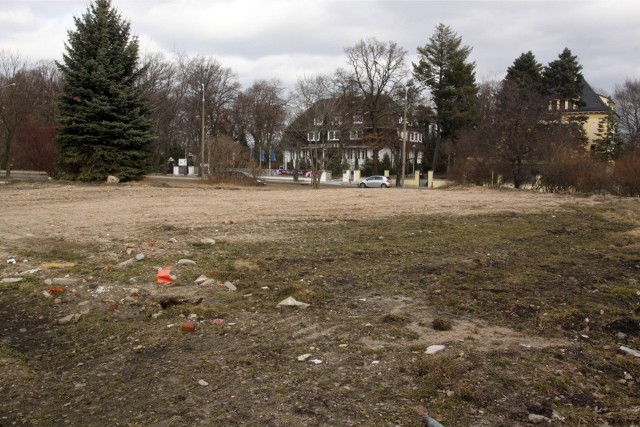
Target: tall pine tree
{"type": "Point", "coordinates": [444, 68]}
{"type": "Point", "coordinates": [104, 126]}
{"type": "Point", "coordinates": [526, 72]}
{"type": "Point", "coordinates": [563, 77]}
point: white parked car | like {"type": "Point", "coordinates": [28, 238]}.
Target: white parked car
{"type": "Point", "coordinates": [375, 181]}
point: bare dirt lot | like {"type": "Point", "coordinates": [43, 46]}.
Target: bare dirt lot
{"type": "Point", "coordinates": [530, 294]}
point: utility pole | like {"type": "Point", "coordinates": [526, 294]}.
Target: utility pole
{"type": "Point", "coordinates": [404, 135]}
{"type": "Point", "coordinates": [200, 172]}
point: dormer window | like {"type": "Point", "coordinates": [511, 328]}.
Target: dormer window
{"type": "Point", "coordinates": [336, 121]}
{"type": "Point", "coordinates": [318, 121]}
{"type": "Point", "coordinates": [357, 119]}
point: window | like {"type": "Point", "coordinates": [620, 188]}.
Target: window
{"type": "Point", "coordinates": [355, 134]}
{"type": "Point", "coordinates": [357, 119]}
{"type": "Point", "coordinates": [415, 137]}
{"type": "Point", "coordinates": [318, 121]}
{"type": "Point", "coordinates": [333, 135]}
{"type": "Point", "coordinates": [313, 136]}
{"type": "Point", "coordinates": [336, 121]}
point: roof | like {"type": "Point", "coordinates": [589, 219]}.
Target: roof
{"type": "Point", "coordinates": [592, 101]}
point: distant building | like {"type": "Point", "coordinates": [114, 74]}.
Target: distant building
{"type": "Point", "coordinates": [340, 132]}
{"type": "Point", "coordinates": [591, 110]}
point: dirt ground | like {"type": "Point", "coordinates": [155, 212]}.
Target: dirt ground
{"type": "Point", "coordinates": [89, 337]}
{"type": "Point", "coordinates": [90, 212]}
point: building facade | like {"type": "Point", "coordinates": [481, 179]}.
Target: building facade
{"type": "Point", "coordinates": [340, 134]}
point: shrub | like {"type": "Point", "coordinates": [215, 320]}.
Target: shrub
{"type": "Point", "coordinates": [568, 170]}
{"type": "Point", "coordinates": [626, 175]}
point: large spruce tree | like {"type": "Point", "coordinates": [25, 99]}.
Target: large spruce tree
{"type": "Point", "coordinates": [444, 68]}
{"type": "Point", "coordinates": [103, 124]}
{"type": "Point", "coordinates": [526, 73]}
{"type": "Point", "coordinates": [563, 77]}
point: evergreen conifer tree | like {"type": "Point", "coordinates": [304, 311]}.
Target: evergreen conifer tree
{"type": "Point", "coordinates": [563, 77]}
{"type": "Point", "coordinates": [608, 144]}
{"type": "Point", "coordinates": [103, 115]}
{"type": "Point", "coordinates": [444, 68]}
{"type": "Point", "coordinates": [526, 72]}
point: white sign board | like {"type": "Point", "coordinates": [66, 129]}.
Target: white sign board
{"type": "Point", "coordinates": [182, 162]}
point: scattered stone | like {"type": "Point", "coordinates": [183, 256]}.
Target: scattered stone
{"type": "Point", "coordinates": [629, 351]}
{"type": "Point", "coordinates": [72, 318]}
{"type": "Point", "coordinates": [621, 336]}
{"type": "Point", "coordinates": [208, 282]}
{"type": "Point", "coordinates": [172, 240]}
{"type": "Point", "coordinates": [217, 322]}
{"type": "Point", "coordinates": [203, 383]}
{"type": "Point", "coordinates": [230, 286]}
{"type": "Point", "coordinates": [208, 241]}
{"type": "Point", "coordinates": [112, 179]}
{"type": "Point", "coordinates": [47, 294]}
{"type": "Point", "coordinates": [537, 419]}
{"type": "Point", "coordinates": [23, 330]}
{"type": "Point", "coordinates": [433, 349]}
{"type": "Point", "coordinates": [304, 357]}
{"type": "Point", "coordinates": [185, 261]}
{"type": "Point", "coordinates": [201, 279]}
{"type": "Point", "coordinates": [129, 300]}
{"type": "Point", "coordinates": [11, 261]}
{"type": "Point", "coordinates": [158, 314]}
{"type": "Point", "coordinates": [316, 361]}
{"type": "Point", "coordinates": [193, 316]}
{"type": "Point", "coordinates": [32, 271]}
{"type": "Point", "coordinates": [139, 257]}
{"type": "Point", "coordinates": [229, 222]}
{"type": "Point", "coordinates": [11, 280]}
{"type": "Point", "coordinates": [126, 263]}
{"type": "Point", "coordinates": [292, 302]}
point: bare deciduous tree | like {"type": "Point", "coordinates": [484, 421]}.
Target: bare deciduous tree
{"type": "Point", "coordinates": [263, 108]}
{"type": "Point", "coordinates": [35, 148]}
{"type": "Point", "coordinates": [13, 104]}
{"type": "Point", "coordinates": [378, 69]}
{"type": "Point", "coordinates": [318, 106]}
{"type": "Point", "coordinates": [627, 100]}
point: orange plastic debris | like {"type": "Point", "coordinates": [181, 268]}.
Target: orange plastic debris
{"type": "Point", "coordinates": [56, 290]}
{"type": "Point", "coordinates": [188, 327]}
{"type": "Point", "coordinates": [164, 277]}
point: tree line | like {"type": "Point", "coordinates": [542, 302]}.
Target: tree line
{"type": "Point", "coordinates": [105, 109]}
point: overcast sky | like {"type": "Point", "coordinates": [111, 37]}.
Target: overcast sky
{"type": "Point", "coordinates": [265, 39]}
